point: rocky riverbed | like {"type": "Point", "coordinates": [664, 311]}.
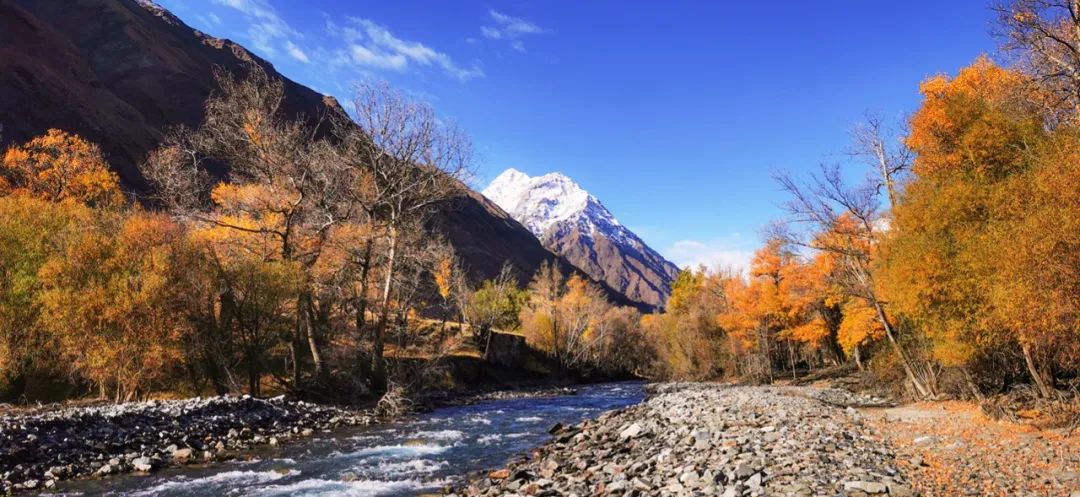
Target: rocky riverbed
{"type": "Point", "coordinates": [708, 439]}
{"type": "Point", "coordinates": [39, 448]}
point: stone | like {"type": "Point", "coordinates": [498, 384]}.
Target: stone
{"type": "Point", "coordinates": [500, 474]}
{"type": "Point", "coordinates": [707, 439]}
{"type": "Point", "coordinates": [142, 464]}
{"type": "Point", "coordinates": [617, 486]}
{"type": "Point", "coordinates": [924, 441]}
{"type": "Point", "coordinates": [866, 486]}
{"type": "Point", "coordinates": [632, 431]}
{"type": "Point", "coordinates": [754, 481]}
{"type": "Point", "coordinates": [182, 455]}
{"type": "Point", "coordinates": [689, 478]}
{"type": "Point", "coordinates": [897, 490]}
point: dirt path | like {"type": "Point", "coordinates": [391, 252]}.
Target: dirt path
{"type": "Point", "coordinates": [950, 449]}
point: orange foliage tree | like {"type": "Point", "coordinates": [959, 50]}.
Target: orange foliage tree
{"type": "Point", "coordinates": [30, 229]}
{"type": "Point", "coordinates": [970, 237]}
{"type": "Point", "coordinates": [110, 299]}
{"type": "Point", "coordinates": [60, 166]}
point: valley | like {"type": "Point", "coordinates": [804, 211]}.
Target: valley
{"type": "Point", "coordinates": [265, 248]}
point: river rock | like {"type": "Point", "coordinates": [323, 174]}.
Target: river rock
{"type": "Point", "coordinates": [866, 486]}
{"type": "Point", "coordinates": [632, 431]}
{"type": "Point", "coordinates": [142, 464]}
{"type": "Point", "coordinates": [182, 455]}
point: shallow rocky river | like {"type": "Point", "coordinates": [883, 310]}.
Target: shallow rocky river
{"type": "Point", "coordinates": [417, 455]}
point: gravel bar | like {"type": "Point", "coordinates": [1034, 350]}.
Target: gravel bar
{"type": "Point", "coordinates": [708, 439]}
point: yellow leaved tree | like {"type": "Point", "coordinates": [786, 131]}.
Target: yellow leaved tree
{"type": "Point", "coordinates": [59, 166]}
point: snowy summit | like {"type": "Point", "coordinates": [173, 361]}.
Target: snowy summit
{"type": "Point", "coordinates": [542, 202]}
{"type": "Point", "coordinates": [571, 222]}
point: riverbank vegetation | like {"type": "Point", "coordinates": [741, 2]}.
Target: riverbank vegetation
{"type": "Point", "coordinates": [272, 254]}
{"type": "Point", "coordinates": [954, 269]}
{"type": "Point", "coordinates": [299, 270]}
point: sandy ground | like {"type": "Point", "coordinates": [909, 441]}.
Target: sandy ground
{"type": "Point", "coordinates": [951, 449]}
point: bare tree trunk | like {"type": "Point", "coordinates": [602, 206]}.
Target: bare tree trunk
{"type": "Point", "coordinates": [1036, 376]}
{"type": "Point", "coordinates": [487, 344]}
{"type": "Point", "coordinates": [295, 366]}
{"type": "Point", "coordinates": [313, 343]}
{"type": "Point", "coordinates": [362, 304]}
{"type": "Point", "coordinates": [378, 361]}
{"type": "Point", "coordinates": [905, 361]}
{"type": "Point", "coordinates": [253, 382]}
{"type": "Point", "coordinates": [972, 386]}
{"type": "Point", "coordinates": [857, 355]}
{"type": "Point", "coordinates": [791, 357]}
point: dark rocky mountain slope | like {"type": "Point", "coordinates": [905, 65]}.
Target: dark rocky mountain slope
{"type": "Point", "coordinates": [120, 72]}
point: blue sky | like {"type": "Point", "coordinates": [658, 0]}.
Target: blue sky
{"type": "Point", "coordinates": [674, 113]}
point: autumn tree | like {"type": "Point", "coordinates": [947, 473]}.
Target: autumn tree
{"type": "Point", "coordinates": [580, 309]}
{"type": "Point", "coordinates": [407, 163]}
{"type": "Point", "coordinates": [562, 317]}
{"type": "Point", "coordinates": [813, 301]}
{"type": "Point", "coordinates": [286, 193]}
{"type": "Point", "coordinates": [1036, 284]}
{"type": "Point", "coordinates": [623, 346]}
{"type": "Point", "coordinates": [687, 338]}
{"type": "Point", "coordinates": [30, 229]}
{"type": "Point", "coordinates": [978, 138]}
{"type": "Point", "coordinates": [827, 215]}
{"type": "Point", "coordinates": [495, 305]}
{"type": "Point", "coordinates": [109, 300]}
{"type": "Point", "coordinates": [539, 316]}
{"type": "Point", "coordinates": [859, 328]}
{"type": "Point", "coordinates": [1044, 37]}
{"type": "Point", "coordinates": [60, 166]}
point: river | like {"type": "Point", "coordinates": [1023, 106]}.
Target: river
{"type": "Point", "coordinates": [419, 454]}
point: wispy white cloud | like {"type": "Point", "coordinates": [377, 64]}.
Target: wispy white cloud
{"type": "Point", "coordinates": [510, 28]}
{"type": "Point", "coordinates": [210, 19]}
{"type": "Point", "coordinates": [295, 52]}
{"type": "Point", "coordinates": [356, 41]}
{"type": "Point", "coordinates": [267, 31]}
{"type": "Point", "coordinates": [368, 43]}
{"type": "Point", "coordinates": [367, 57]}
{"type": "Point", "coordinates": [722, 253]}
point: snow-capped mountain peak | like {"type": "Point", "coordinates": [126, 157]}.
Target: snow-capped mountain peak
{"type": "Point", "coordinates": [543, 201]}
{"type": "Point", "coordinates": [573, 223]}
